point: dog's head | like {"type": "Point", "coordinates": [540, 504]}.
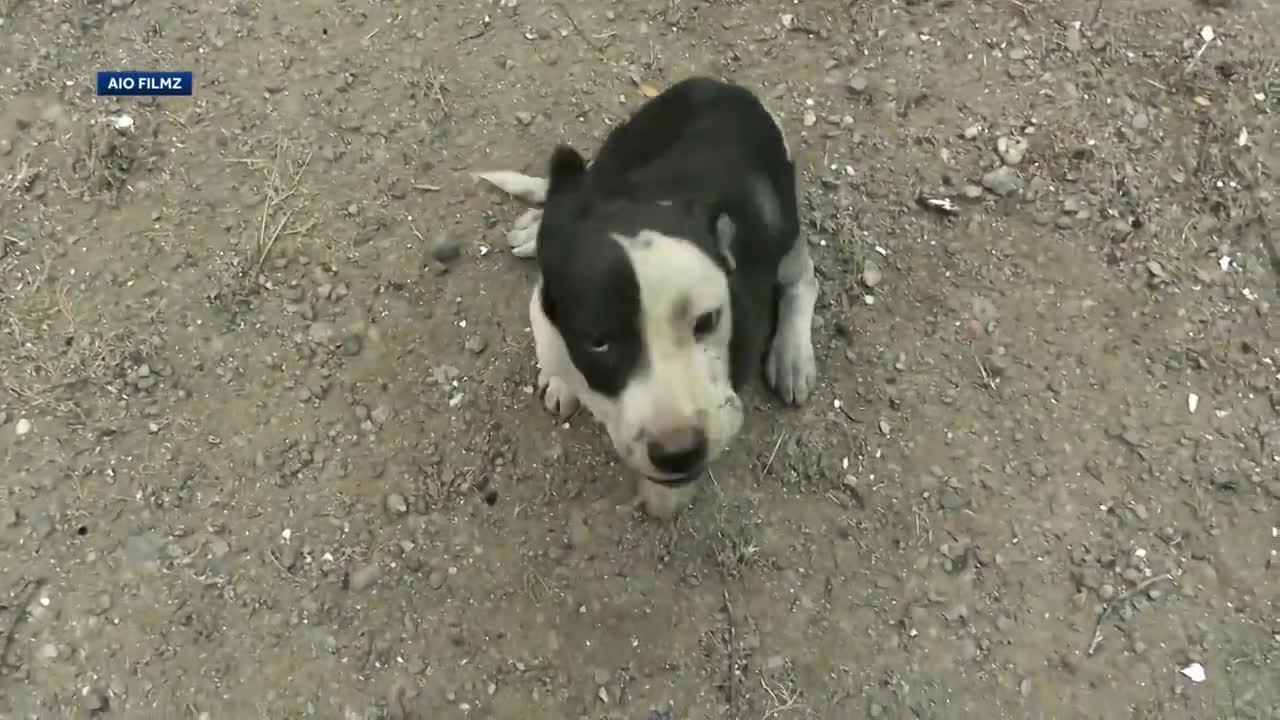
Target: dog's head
{"type": "Point", "coordinates": [640, 293]}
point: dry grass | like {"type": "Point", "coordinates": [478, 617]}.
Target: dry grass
{"type": "Point", "coordinates": [106, 158]}
{"type": "Point", "coordinates": [54, 361]}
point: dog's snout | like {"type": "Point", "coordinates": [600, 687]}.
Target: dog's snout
{"type": "Point", "coordinates": [679, 451]}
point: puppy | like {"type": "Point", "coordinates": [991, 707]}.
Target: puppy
{"type": "Point", "coordinates": [670, 267]}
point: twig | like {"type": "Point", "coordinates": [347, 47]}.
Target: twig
{"type": "Point", "coordinates": [1097, 14]}
{"type": "Point", "coordinates": [792, 701]}
{"type": "Point", "coordinates": [1110, 606]}
{"type": "Point", "coordinates": [733, 659]}
{"type": "Point", "coordinates": [409, 219]}
{"type": "Point", "coordinates": [27, 592]}
{"type": "Point", "coordinates": [986, 374]}
{"type": "Point", "coordinates": [577, 28]}
{"type": "Point", "coordinates": [427, 188]}
{"type": "Point", "coordinates": [1026, 11]}
{"type": "Point", "coordinates": [769, 463]}
{"type": "Point", "coordinates": [273, 199]}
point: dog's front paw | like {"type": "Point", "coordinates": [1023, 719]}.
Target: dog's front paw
{"type": "Point", "coordinates": [791, 368]}
{"type": "Point", "coordinates": [523, 235]}
{"type": "Point", "coordinates": [557, 398]}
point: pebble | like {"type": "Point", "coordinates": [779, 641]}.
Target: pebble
{"type": "Point", "coordinates": [857, 84]}
{"type": "Point", "coordinates": [47, 651]}
{"type": "Point", "coordinates": [1012, 150]}
{"type": "Point", "coordinates": [1003, 181]}
{"type": "Point", "coordinates": [396, 504]}
{"type": "Point", "coordinates": [6, 146]}
{"type": "Point", "coordinates": [1141, 121]}
{"type": "Point", "coordinates": [951, 500]}
{"type": "Point", "coordinates": [320, 332]}
{"type": "Point", "coordinates": [96, 702]}
{"type": "Point", "coordinates": [22, 427]}
{"type": "Point", "coordinates": [476, 345]}
{"type": "Point", "coordinates": [444, 249]}
{"type": "Point", "coordinates": [363, 577]}
{"type": "Point", "coordinates": [972, 132]}
{"type": "Point", "coordinates": [971, 191]}
{"type": "Point", "coordinates": [524, 118]}
{"type": "Point", "coordinates": [871, 274]}
{"type": "Point", "coordinates": [351, 345]}
{"type": "Point", "coordinates": [1074, 40]}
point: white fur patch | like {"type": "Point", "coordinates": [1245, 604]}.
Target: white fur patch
{"type": "Point", "coordinates": [790, 366]}
{"type": "Point", "coordinates": [686, 382]}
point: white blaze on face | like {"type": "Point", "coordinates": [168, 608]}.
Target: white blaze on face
{"type": "Point", "coordinates": [685, 381]}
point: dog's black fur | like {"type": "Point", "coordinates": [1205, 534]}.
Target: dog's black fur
{"type": "Point", "coordinates": [701, 150]}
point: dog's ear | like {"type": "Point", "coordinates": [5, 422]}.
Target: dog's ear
{"type": "Point", "coordinates": [567, 169]}
{"type": "Point", "coordinates": [724, 231]}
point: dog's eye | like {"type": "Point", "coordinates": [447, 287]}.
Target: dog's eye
{"type": "Point", "coordinates": [706, 323]}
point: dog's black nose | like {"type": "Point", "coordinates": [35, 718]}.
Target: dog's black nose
{"type": "Point", "coordinates": [680, 452]}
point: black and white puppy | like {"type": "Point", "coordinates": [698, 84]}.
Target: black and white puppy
{"type": "Point", "coordinates": [671, 266]}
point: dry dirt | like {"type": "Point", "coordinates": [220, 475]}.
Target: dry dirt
{"type": "Point", "coordinates": [269, 443]}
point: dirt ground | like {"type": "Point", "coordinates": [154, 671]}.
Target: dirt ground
{"type": "Point", "coordinates": [270, 446]}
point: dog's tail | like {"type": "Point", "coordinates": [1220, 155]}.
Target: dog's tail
{"type": "Point", "coordinates": [525, 187]}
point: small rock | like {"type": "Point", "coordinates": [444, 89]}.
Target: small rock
{"type": "Point", "coordinates": [6, 146]}
{"type": "Point", "coordinates": [476, 345]}
{"type": "Point", "coordinates": [1106, 592]}
{"type": "Point", "coordinates": [810, 118]}
{"type": "Point", "coordinates": [96, 702]}
{"type": "Point", "coordinates": [1012, 150]}
{"type": "Point", "coordinates": [857, 84]}
{"type": "Point", "coordinates": [436, 579]}
{"type": "Point", "coordinates": [396, 504]}
{"type": "Point", "coordinates": [971, 191]}
{"type": "Point", "coordinates": [444, 249]}
{"type": "Point", "coordinates": [1003, 181]}
{"type": "Point", "coordinates": [1074, 40]}
{"type": "Point", "coordinates": [524, 118]}
{"type": "Point", "coordinates": [361, 578]}
{"type": "Point", "coordinates": [951, 500]}
{"type": "Point", "coordinates": [871, 275]}
{"type": "Point", "coordinates": [1141, 121]}
{"type": "Point", "coordinates": [22, 427]}
{"type": "Point", "coordinates": [144, 548]}
{"type": "Point", "coordinates": [972, 132]}
{"type": "Point", "coordinates": [47, 651]}
{"type": "Point", "coordinates": [351, 344]}
{"type": "Point", "coordinates": [320, 332]}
